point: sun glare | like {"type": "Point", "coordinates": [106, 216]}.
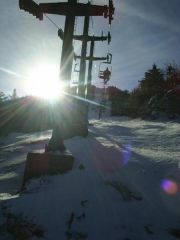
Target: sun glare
{"type": "Point", "coordinates": [43, 81]}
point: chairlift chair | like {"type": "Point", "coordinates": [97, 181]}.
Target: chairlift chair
{"type": "Point", "coordinates": [108, 58]}
{"type": "Point", "coordinates": [76, 69]}
{"type": "Point", "coordinates": [105, 73]}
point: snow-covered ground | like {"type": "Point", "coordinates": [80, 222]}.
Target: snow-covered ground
{"type": "Point", "coordinates": [125, 185]}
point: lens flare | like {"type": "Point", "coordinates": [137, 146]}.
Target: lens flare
{"type": "Point", "coordinates": [127, 153]}
{"type": "Point", "coordinates": [169, 186]}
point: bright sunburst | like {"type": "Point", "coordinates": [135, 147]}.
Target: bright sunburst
{"type": "Point", "coordinates": [43, 81]}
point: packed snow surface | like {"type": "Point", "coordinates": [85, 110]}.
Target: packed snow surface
{"type": "Point", "coordinates": [124, 185]}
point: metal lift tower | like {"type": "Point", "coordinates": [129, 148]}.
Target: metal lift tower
{"type": "Point", "coordinates": [70, 10]}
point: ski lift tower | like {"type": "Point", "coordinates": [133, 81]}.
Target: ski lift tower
{"type": "Point", "coordinates": [70, 10]}
{"type": "Point", "coordinates": [90, 58]}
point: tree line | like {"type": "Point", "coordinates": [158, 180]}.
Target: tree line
{"type": "Point", "coordinates": [4, 97]}
{"type": "Point", "coordinates": [158, 92]}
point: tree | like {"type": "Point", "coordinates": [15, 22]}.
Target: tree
{"type": "Point", "coordinates": [3, 97]}
{"type": "Point", "coordinates": [119, 100]}
{"type": "Point", "coordinates": [173, 90]}
{"type": "Point", "coordinates": [172, 76]}
{"type": "Point", "coordinates": [153, 82]}
{"type": "Point", "coordinates": [91, 91]}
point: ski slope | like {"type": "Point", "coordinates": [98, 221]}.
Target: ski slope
{"type": "Point", "coordinates": [125, 185]}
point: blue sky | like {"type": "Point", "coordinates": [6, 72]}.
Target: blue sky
{"type": "Point", "coordinates": [143, 32]}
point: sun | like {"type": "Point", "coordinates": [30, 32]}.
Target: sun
{"type": "Point", "coordinates": [43, 81]}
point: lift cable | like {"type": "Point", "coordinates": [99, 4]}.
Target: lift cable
{"type": "Point", "coordinates": [52, 21]}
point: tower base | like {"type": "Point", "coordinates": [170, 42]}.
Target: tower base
{"type": "Point", "coordinates": [38, 164]}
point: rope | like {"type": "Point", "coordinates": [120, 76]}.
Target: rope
{"type": "Point", "coordinates": [52, 21]}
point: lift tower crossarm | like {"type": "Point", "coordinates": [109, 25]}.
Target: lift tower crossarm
{"type": "Point", "coordinates": [89, 58]}
{"type": "Point", "coordinates": [78, 9]}
{"type": "Point", "coordinates": [31, 7]}
{"type": "Point", "coordinates": [64, 8]}
{"type": "Point", "coordinates": [86, 38]}
{"type": "Point", "coordinates": [93, 38]}
{"type": "Point", "coordinates": [90, 38]}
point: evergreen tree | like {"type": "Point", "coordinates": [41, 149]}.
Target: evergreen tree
{"type": "Point", "coordinates": [119, 100]}
{"type": "Point", "coordinates": [152, 85]}
{"type": "Point", "coordinates": [3, 97]}
{"type": "Point", "coordinates": [172, 76]}
{"type": "Point", "coordinates": [173, 90]}
{"type": "Point", "coordinates": [153, 82]}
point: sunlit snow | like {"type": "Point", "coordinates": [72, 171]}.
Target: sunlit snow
{"type": "Point", "coordinates": [125, 183]}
